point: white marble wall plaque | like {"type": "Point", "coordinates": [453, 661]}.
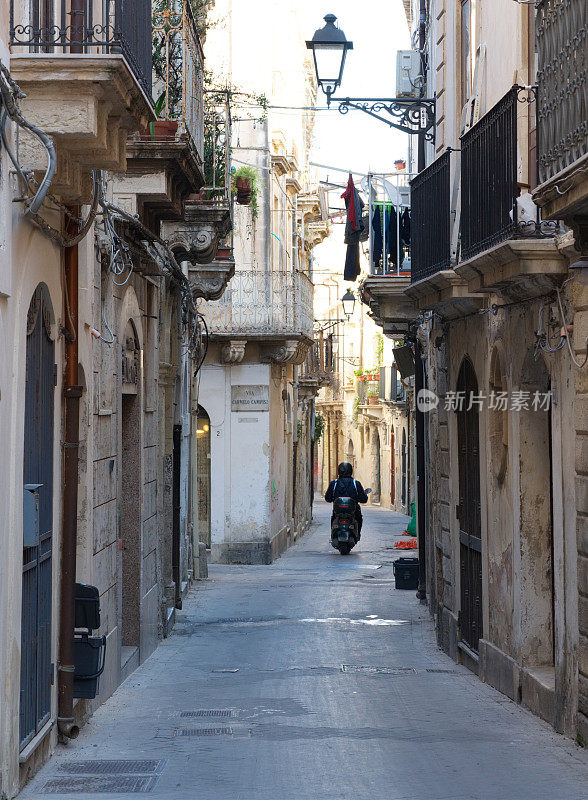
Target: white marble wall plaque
{"type": "Point", "coordinates": [249, 398]}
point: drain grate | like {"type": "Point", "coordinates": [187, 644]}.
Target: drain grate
{"type": "Point", "coordinates": [104, 785]}
{"type": "Point", "coordinates": [378, 670]}
{"type": "Point", "coordinates": [204, 732]}
{"type": "Point", "coordinates": [210, 712]}
{"type": "Point", "coordinates": [114, 767]}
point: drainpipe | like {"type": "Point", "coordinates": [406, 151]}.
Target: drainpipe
{"type": "Point", "coordinates": [419, 381]}
{"type": "Point", "coordinates": [72, 392]}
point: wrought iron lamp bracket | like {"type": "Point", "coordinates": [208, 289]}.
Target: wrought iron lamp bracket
{"type": "Point", "coordinates": [410, 115]}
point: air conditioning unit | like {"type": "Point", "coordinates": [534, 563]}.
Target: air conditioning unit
{"type": "Point", "coordinates": [408, 73]}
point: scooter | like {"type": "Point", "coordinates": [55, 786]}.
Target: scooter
{"type": "Point", "coordinates": [344, 531]}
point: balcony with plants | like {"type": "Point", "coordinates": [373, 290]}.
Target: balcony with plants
{"type": "Point", "coordinates": [85, 68]}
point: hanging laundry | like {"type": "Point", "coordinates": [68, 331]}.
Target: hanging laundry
{"type": "Point", "coordinates": [356, 230]}
{"type": "Point", "coordinates": [392, 235]}
{"type": "Point", "coordinates": [377, 238]}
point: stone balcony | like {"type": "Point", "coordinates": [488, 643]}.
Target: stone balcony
{"type": "Point", "coordinates": [272, 310]}
{"type": "Point", "coordinates": [89, 105]}
{"type": "Point", "coordinates": [389, 305]}
{"type": "Point", "coordinates": [87, 81]}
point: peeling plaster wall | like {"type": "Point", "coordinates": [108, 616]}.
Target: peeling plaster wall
{"type": "Point", "coordinates": [530, 640]}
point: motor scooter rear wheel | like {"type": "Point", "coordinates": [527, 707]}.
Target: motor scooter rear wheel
{"type": "Point", "coordinates": [344, 549]}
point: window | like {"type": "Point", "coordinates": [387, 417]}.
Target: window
{"type": "Point", "coordinates": [468, 47]}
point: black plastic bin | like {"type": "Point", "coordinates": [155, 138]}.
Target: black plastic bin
{"type": "Point", "coordinates": [89, 657]}
{"type": "Point", "coordinates": [406, 573]}
{"type": "Point", "coordinates": [87, 608]}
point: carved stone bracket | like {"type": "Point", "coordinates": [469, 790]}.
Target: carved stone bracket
{"type": "Point", "coordinates": [197, 237]}
{"type": "Point", "coordinates": [209, 281]}
{"type": "Point", "coordinates": [290, 351]}
{"type": "Point", "coordinates": [233, 351]}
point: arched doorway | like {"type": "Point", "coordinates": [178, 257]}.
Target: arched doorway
{"type": "Point", "coordinates": [37, 587]}
{"type": "Point", "coordinates": [350, 453]}
{"type": "Point", "coordinates": [468, 513]}
{"type": "Point", "coordinates": [392, 468]}
{"type": "Point", "coordinates": [536, 517]}
{"type": "Point", "coordinates": [131, 490]}
{"type": "Point", "coordinates": [203, 475]}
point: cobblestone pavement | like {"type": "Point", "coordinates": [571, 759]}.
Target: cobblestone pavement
{"type": "Point", "coordinates": [312, 679]}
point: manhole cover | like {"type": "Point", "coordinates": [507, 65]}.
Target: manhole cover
{"type": "Point", "coordinates": [114, 767]}
{"type": "Point", "coordinates": [204, 732]}
{"type": "Point", "coordinates": [107, 785]}
{"type": "Point", "coordinates": [210, 712]}
{"type": "Point", "coordinates": [379, 670]}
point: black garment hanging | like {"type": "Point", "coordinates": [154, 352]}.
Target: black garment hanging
{"type": "Point", "coordinates": [392, 235]}
{"type": "Point", "coordinates": [405, 228]}
{"type": "Point", "coordinates": [377, 237]}
{"type": "Point", "coordinates": [352, 267]}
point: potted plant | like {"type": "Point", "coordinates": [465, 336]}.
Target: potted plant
{"type": "Point", "coordinates": [245, 188]}
{"type": "Point", "coordinates": [359, 374]}
{"type": "Point", "coordinates": [160, 129]}
{"type": "Point", "coordinates": [373, 398]}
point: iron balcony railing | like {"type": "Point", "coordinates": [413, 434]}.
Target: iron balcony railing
{"type": "Point", "coordinates": [217, 147]}
{"type": "Point", "coordinates": [178, 66]}
{"type": "Point", "coordinates": [431, 220]}
{"type": "Point", "coordinates": [562, 121]}
{"type": "Point", "coordinates": [256, 303]}
{"type": "Point", "coordinates": [92, 27]}
{"type": "Point", "coordinates": [489, 189]}
{"type": "Point", "coordinates": [389, 215]}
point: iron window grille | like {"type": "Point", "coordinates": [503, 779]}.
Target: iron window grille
{"type": "Point", "coordinates": [562, 119]}
{"type": "Point", "coordinates": [102, 27]}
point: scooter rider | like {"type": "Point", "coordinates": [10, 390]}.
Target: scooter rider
{"type": "Point", "coordinates": [347, 486]}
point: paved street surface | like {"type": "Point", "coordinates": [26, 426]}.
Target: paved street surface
{"type": "Point", "coordinates": [249, 700]}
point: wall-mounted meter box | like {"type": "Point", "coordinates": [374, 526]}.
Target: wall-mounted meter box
{"type": "Point", "coordinates": [408, 73]}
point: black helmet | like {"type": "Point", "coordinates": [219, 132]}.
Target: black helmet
{"type": "Point", "coordinates": [345, 470]}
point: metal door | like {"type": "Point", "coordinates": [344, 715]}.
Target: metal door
{"type": "Point", "coordinates": [176, 512]}
{"type": "Point", "coordinates": [468, 512]}
{"type": "Point", "coordinates": [36, 672]}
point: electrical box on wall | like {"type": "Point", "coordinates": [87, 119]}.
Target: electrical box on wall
{"type": "Point", "coordinates": [408, 73]}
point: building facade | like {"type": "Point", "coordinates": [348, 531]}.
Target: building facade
{"type": "Point", "coordinates": [365, 406]}
{"type": "Point", "coordinates": [100, 342]}
{"type": "Point", "coordinates": [496, 305]}
{"type": "Point", "coordinates": [254, 395]}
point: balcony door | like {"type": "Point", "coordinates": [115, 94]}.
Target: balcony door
{"type": "Point", "coordinates": [469, 516]}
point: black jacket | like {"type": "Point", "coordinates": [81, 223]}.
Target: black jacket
{"type": "Point", "coordinates": [346, 487]}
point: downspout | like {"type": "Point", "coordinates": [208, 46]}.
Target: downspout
{"type": "Point", "coordinates": [72, 392]}
{"type": "Point", "coordinates": [419, 381]}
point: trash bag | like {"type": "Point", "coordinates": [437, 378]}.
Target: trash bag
{"type": "Point", "coordinates": [411, 528]}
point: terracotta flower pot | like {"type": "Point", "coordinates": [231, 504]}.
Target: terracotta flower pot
{"type": "Point", "coordinates": [162, 130]}
{"type": "Point", "coordinates": [223, 254]}
{"type": "Point", "coordinates": [373, 401]}
{"type": "Point", "coordinates": [244, 191]}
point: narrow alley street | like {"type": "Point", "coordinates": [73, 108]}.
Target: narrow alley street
{"type": "Point", "coordinates": [311, 679]}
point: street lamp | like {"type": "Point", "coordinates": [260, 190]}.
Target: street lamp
{"type": "Point", "coordinates": [414, 115]}
{"type": "Point", "coordinates": [329, 49]}
{"type": "Point", "coordinates": [348, 303]}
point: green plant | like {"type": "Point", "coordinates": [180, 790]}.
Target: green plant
{"type": "Point", "coordinates": [379, 349]}
{"type": "Point", "coordinates": [252, 175]}
{"type": "Point", "coordinates": [355, 408]}
{"type": "Point", "coordinates": [373, 393]}
{"type": "Point", "coordinates": [358, 372]}
{"type": "Point", "coordinates": [299, 429]}
{"type": "Point", "coordinates": [319, 426]}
